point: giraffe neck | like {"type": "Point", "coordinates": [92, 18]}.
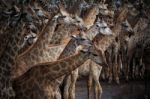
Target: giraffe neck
{"type": "Point", "coordinates": [63, 32]}
{"type": "Point", "coordinates": [75, 8]}
{"type": "Point", "coordinates": [35, 53]}
{"type": "Point", "coordinates": [90, 17]}
{"type": "Point", "coordinates": [69, 49]}
{"type": "Point", "coordinates": [135, 21]}
{"type": "Point", "coordinates": [71, 46]}
{"type": "Point", "coordinates": [66, 66]}
{"type": "Point", "coordinates": [91, 33]}
{"type": "Point", "coordinates": [53, 70]}
{"type": "Point", "coordinates": [40, 51]}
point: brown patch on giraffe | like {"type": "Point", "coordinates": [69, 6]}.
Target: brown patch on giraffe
{"type": "Point", "coordinates": [56, 68]}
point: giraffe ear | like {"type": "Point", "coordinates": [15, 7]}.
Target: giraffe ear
{"type": "Point", "coordinates": [85, 50]}
{"type": "Point", "coordinates": [125, 23]}
{"type": "Point", "coordinates": [77, 37]}
{"type": "Point", "coordinates": [74, 36]}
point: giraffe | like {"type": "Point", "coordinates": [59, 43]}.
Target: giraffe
{"type": "Point", "coordinates": [70, 86]}
{"type": "Point", "coordinates": [70, 89]}
{"type": "Point", "coordinates": [139, 23]}
{"type": "Point", "coordinates": [142, 40]}
{"type": "Point", "coordinates": [74, 75]}
{"type": "Point", "coordinates": [28, 41]}
{"type": "Point", "coordinates": [38, 78]}
{"type": "Point", "coordinates": [136, 57]}
{"type": "Point", "coordinates": [106, 42]}
{"type": "Point", "coordinates": [7, 58]}
{"type": "Point", "coordinates": [124, 31]}
{"type": "Point", "coordinates": [137, 40]}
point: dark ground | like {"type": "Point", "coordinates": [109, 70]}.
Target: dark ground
{"type": "Point", "coordinates": [130, 90]}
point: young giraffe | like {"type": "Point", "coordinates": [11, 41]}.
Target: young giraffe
{"type": "Point", "coordinates": [113, 45]}
{"type": "Point", "coordinates": [69, 90]}
{"type": "Point", "coordinates": [124, 38]}
{"type": "Point", "coordinates": [86, 68]}
{"type": "Point", "coordinates": [137, 40]}
{"type": "Point", "coordinates": [142, 40]}
{"type": "Point", "coordinates": [37, 80]}
{"type": "Point", "coordinates": [136, 58]}
{"type": "Point", "coordinates": [139, 24]}
{"type": "Point", "coordinates": [103, 42]}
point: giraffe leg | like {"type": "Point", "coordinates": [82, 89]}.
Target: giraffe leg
{"type": "Point", "coordinates": [66, 88]}
{"type": "Point", "coordinates": [74, 77]}
{"type": "Point", "coordinates": [90, 87]}
{"type": "Point", "coordinates": [98, 87]}
{"type": "Point", "coordinates": [106, 69]}
{"type": "Point", "coordinates": [116, 74]}
{"type": "Point", "coordinates": [110, 66]}
{"type": "Point", "coordinates": [96, 71]}
{"type": "Point", "coordinates": [58, 95]}
{"type": "Point", "coordinates": [116, 68]}
{"type": "Point", "coordinates": [127, 72]}
{"type": "Point", "coordinates": [147, 81]}
{"type": "Point", "coordinates": [133, 68]}
{"type": "Point", "coordinates": [127, 68]}
{"type": "Point", "coordinates": [110, 74]}
{"type": "Point", "coordinates": [98, 90]}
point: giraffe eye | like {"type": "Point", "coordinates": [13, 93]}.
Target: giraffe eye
{"type": "Point", "coordinates": [95, 54]}
{"type": "Point", "coordinates": [78, 21]}
{"type": "Point", "coordinates": [97, 25]}
{"type": "Point", "coordinates": [104, 27]}
{"type": "Point", "coordinates": [25, 37]}
{"type": "Point", "coordinates": [73, 17]}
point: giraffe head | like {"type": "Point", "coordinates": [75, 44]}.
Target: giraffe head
{"type": "Point", "coordinates": [29, 40]}
{"type": "Point", "coordinates": [127, 29]}
{"type": "Point", "coordinates": [88, 48]}
{"type": "Point", "coordinates": [103, 10]}
{"type": "Point", "coordinates": [66, 17]}
{"type": "Point", "coordinates": [103, 28]}
{"type": "Point", "coordinates": [100, 27]}
{"type": "Point", "coordinates": [80, 40]}
{"type": "Point", "coordinates": [76, 20]}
